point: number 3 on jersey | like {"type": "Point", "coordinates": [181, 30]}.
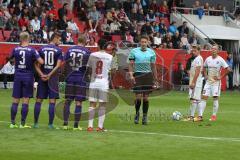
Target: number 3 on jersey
{"type": "Point", "coordinates": [99, 66]}
{"type": "Point", "coordinates": [22, 53]}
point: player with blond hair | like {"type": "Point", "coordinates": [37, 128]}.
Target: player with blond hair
{"type": "Point", "coordinates": [196, 81]}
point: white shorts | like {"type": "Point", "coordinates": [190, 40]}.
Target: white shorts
{"type": "Point", "coordinates": [195, 93]}
{"type": "Point", "coordinates": [212, 90]}
{"type": "Point", "coordinates": [98, 95]}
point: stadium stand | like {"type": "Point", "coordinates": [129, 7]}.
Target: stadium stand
{"type": "Point", "coordinates": [132, 17]}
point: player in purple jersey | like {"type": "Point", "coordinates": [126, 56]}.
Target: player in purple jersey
{"type": "Point", "coordinates": [48, 82]}
{"type": "Point", "coordinates": [76, 60]}
{"type": "Point", "coordinates": [25, 57]}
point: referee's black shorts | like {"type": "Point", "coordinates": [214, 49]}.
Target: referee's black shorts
{"type": "Point", "coordinates": [144, 82]}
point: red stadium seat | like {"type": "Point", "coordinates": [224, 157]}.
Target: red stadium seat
{"type": "Point", "coordinates": [1, 37]}
{"type": "Point", "coordinates": [116, 38]}
{"type": "Point", "coordinates": [7, 34]}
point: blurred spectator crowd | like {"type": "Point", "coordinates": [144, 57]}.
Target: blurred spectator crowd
{"type": "Point", "coordinates": [128, 19]}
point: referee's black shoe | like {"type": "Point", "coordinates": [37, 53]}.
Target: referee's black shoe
{"type": "Point", "coordinates": [136, 119]}
{"type": "Point", "coordinates": [144, 120]}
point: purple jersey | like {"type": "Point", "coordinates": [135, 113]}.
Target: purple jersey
{"type": "Point", "coordinates": [76, 61]}
{"type": "Point", "coordinates": [24, 61]}
{"type": "Point", "coordinates": [50, 54]}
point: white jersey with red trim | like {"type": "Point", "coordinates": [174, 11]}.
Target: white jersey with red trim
{"type": "Point", "coordinates": [100, 64]}
{"type": "Point", "coordinates": [214, 66]}
{"type": "Point", "coordinates": [197, 62]}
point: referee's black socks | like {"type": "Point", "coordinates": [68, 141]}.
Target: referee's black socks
{"type": "Point", "coordinates": [137, 105]}
{"type": "Point", "coordinates": [145, 107]}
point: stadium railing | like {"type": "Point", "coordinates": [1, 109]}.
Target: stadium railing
{"type": "Point", "coordinates": [208, 41]}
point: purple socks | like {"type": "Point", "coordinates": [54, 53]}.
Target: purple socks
{"type": "Point", "coordinates": [37, 110]}
{"type": "Point", "coordinates": [51, 112]}
{"type": "Point", "coordinates": [24, 113]}
{"type": "Point", "coordinates": [14, 110]}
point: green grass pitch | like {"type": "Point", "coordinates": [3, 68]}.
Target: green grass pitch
{"type": "Point", "coordinates": [162, 139]}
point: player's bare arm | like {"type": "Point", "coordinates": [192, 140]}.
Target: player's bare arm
{"type": "Point", "coordinates": [58, 65]}
{"type": "Point", "coordinates": [197, 73]}
{"type": "Point", "coordinates": [40, 61]}
{"type": "Point", "coordinates": [38, 69]}
{"type": "Point", "coordinates": [130, 69]}
{"type": "Point", "coordinates": [204, 72]}
{"type": "Point", "coordinates": [225, 73]}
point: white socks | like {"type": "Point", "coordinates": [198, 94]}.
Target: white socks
{"type": "Point", "coordinates": [215, 106]}
{"type": "Point", "coordinates": [193, 108]}
{"type": "Point", "coordinates": [201, 107]}
{"type": "Point", "coordinates": [91, 112]}
{"type": "Point", "coordinates": [101, 116]}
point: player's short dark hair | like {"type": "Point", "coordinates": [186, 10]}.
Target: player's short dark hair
{"type": "Point", "coordinates": [198, 47]}
{"type": "Point", "coordinates": [144, 37]}
{"type": "Point", "coordinates": [54, 35]}
{"type": "Point", "coordinates": [102, 43]}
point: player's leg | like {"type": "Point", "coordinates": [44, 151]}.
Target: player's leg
{"type": "Point", "coordinates": [193, 108]}
{"type": "Point", "coordinates": [138, 100]}
{"type": "Point", "coordinates": [93, 98]}
{"type": "Point", "coordinates": [14, 109]}
{"type": "Point", "coordinates": [24, 112]}
{"type": "Point", "coordinates": [53, 94]}
{"type": "Point", "coordinates": [37, 110]}
{"type": "Point", "coordinates": [103, 99]}
{"type": "Point", "coordinates": [77, 115]}
{"type": "Point", "coordinates": [51, 113]}
{"type": "Point", "coordinates": [145, 108]}
{"type": "Point", "coordinates": [91, 112]}
{"type": "Point", "coordinates": [216, 90]}
{"type": "Point", "coordinates": [69, 97]}
{"type": "Point", "coordinates": [215, 108]}
{"type": "Point", "coordinates": [17, 94]}
{"type": "Point", "coordinates": [66, 113]}
{"type": "Point", "coordinates": [42, 93]}
{"type": "Point", "coordinates": [195, 98]}
{"type": "Point", "coordinates": [27, 94]}
{"type": "Point", "coordinates": [80, 96]}
{"type": "Point", "coordinates": [202, 105]}
{"type": "Point", "coordinates": [101, 116]}
{"type": "Point", "coordinates": [205, 94]}
{"type": "Point", "coordinates": [192, 105]}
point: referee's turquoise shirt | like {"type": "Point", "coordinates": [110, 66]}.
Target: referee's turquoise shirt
{"type": "Point", "coordinates": [142, 59]}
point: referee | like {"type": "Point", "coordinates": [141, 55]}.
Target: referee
{"type": "Point", "coordinates": [143, 74]}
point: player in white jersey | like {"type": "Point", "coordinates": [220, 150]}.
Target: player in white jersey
{"type": "Point", "coordinates": [196, 81]}
{"type": "Point", "coordinates": [99, 64]}
{"type": "Point", "coordinates": [212, 71]}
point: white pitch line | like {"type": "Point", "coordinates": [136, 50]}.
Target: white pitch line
{"type": "Point", "coordinates": [170, 135]}
{"type": "Point", "coordinates": [180, 136]}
